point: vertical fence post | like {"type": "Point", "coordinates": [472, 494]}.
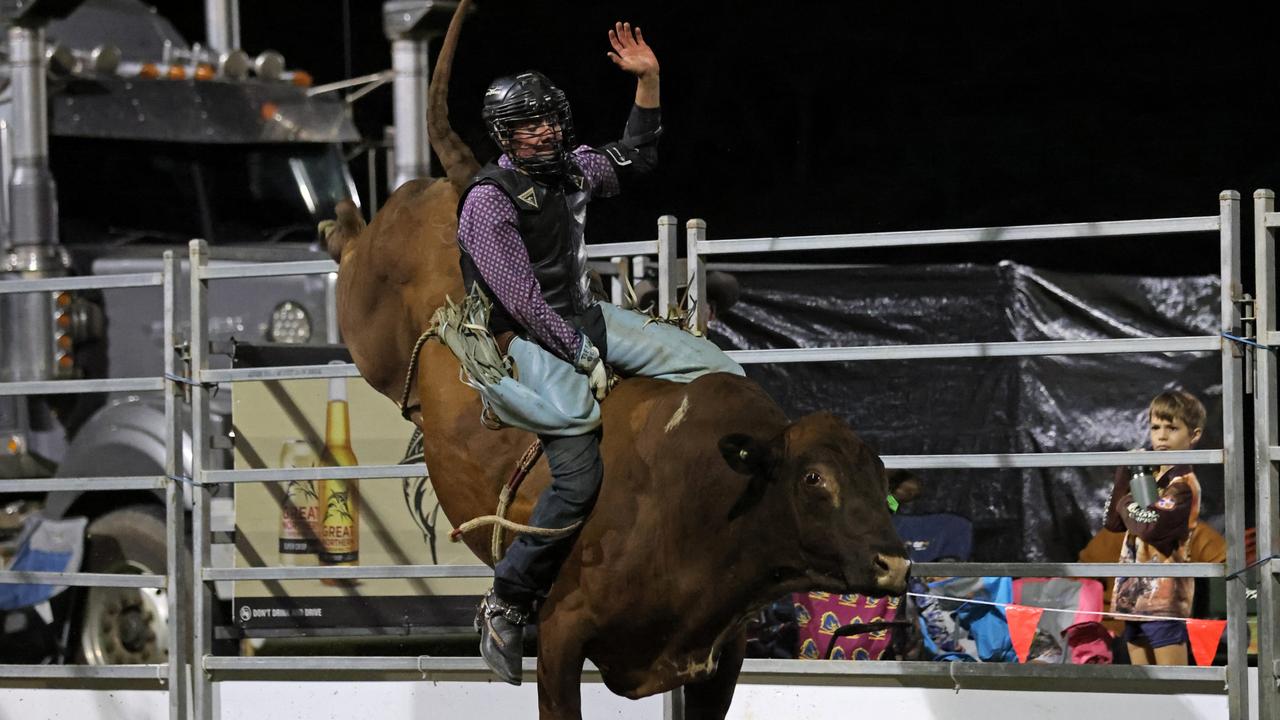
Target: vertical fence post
{"type": "Point", "coordinates": [695, 233]}
{"type": "Point", "coordinates": [673, 704]}
{"type": "Point", "coordinates": [201, 591]}
{"type": "Point", "coordinates": [668, 267]}
{"type": "Point", "coordinates": [175, 507]}
{"type": "Point", "coordinates": [1265, 437]}
{"type": "Point", "coordinates": [1233, 455]}
{"type": "Point", "coordinates": [621, 278]}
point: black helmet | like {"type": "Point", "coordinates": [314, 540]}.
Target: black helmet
{"type": "Point", "coordinates": [527, 101]}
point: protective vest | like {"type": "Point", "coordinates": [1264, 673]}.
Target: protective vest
{"type": "Point", "coordinates": [551, 221]}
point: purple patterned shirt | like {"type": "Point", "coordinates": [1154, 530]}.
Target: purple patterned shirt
{"type": "Point", "coordinates": [489, 231]}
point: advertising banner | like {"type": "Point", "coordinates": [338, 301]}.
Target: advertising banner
{"type": "Point", "coordinates": [383, 521]}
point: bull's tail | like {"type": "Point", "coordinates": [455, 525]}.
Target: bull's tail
{"type": "Point", "coordinates": [459, 162]}
{"type": "Point", "coordinates": [335, 234]}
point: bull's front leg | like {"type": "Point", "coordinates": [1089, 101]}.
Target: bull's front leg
{"type": "Point", "coordinates": [710, 699]}
{"type": "Point", "coordinates": [560, 658]}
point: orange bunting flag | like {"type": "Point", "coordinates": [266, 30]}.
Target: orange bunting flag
{"type": "Point", "coordinates": [1022, 627]}
{"type": "Point", "coordinates": [1205, 635]}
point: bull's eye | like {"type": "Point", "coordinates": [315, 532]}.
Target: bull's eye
{"type": "Point", "coordinates": [812, 478]}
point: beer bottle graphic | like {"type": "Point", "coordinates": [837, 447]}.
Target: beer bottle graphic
{"type": "Point", "coordinates": [299, 537]}
{"type": "Point", "coordinates": [340, 499]}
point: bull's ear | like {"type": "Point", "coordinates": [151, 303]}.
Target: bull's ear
{"type": "Point", "coordinates": [745, 454]}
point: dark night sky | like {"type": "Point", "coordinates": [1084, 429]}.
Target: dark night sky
{"type": "Point", "coordinates": [823, 117]}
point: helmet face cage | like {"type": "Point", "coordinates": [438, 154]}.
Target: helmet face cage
{"type": "Point", "coordinates": [528, 103]}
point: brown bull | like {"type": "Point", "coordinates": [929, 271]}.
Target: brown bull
{"type": "Point", "coordinates": [713, 503]}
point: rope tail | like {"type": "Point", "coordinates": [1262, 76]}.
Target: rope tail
{"type": "Point", "coordinates": [516, 527]}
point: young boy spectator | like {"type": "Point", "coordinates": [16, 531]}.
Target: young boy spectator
{"type": "Point", "coordinates": [1160, 532]}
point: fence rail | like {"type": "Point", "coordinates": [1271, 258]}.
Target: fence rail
{"type": "Point", "coordinates": [95, 484]}
{"type": "Point", "coordinates": [154, 673]}
{"type": "Point", "coordinates": [1050, 460]}
{"type": "Point", "coordinates": [1012, 233]}
{"type": "Point", "coordinates": [1149, 679]}
{"type": "Point", "coordinates": [355, 472]}
{"type": "Point", "coordinates": [292, 372]}
{"type": "Point", "coordinates": [86, 282]}
{"type": "Point", "coordinates": [1036, 348]}
{"type": "Point", "coordinates": [79, 579]}
{"type": "Point", "coordinates": [262, 270]}
{"type": "Point", "coordinates": [363, 572]}
{"type": "Point", "coordinates": [79, 387]}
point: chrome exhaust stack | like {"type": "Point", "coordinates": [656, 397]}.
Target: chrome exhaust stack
{"type": "Point", "coordinates": [410, 25]}
{"type": "Point", "coordinates": [27, 351]}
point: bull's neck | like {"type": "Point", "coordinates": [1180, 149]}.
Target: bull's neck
{"type": "Point", "coordinates": [759, 564]}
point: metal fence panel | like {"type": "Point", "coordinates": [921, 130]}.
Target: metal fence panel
{"type": "Point", "coordinates": [1189, 679]}
{"type": "Point", "coordinates": [167, 676]}
{"type": "Point", "coordinates": [1226, 223]}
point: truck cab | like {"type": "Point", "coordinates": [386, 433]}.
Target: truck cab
{"type": "Point", "coordinates": [152, 141]}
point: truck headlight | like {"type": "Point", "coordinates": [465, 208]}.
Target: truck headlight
{"type": "Point", "coordinates": [289, 324]}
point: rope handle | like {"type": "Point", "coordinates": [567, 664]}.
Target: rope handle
{"type": "Point", "coordinates": [456, 534]}
{"type": "Point", "coordinates": [523, 468]}
{"type": "Point", "coordinates": [413, 369]}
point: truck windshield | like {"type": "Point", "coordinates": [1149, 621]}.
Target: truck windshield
{"type": "Point", "coordinates": [113, 191]}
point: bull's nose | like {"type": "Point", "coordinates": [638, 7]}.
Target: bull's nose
{"type": "Point", "coordinates": [891, 573]}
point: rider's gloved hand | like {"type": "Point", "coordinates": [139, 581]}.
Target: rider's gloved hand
{"type": "Point", "coordinates": [599, 380]}
{"type": "Point", "coordinates": [590, 363]}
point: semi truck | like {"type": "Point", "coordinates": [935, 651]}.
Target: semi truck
{"type": "Point", "coordinates": [119, 140]}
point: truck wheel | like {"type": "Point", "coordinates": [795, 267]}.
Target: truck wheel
{"type": "Point", "coordinates": [125, 625]}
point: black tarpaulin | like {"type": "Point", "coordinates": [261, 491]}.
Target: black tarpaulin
{"type": "Point", "coordinates": [1064, 403]}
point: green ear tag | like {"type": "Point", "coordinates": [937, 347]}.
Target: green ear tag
{"type": "Point", "coordinates": [893, 504]}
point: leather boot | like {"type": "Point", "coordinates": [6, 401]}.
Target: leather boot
{"type": "Point", "coordinates": [501, 627]}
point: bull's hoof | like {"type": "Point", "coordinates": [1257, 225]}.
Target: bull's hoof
{"type": "Point", "coordinates": [501, 628]}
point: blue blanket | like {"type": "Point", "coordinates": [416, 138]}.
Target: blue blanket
{"type": "Point", "coordinates": [44, 546]}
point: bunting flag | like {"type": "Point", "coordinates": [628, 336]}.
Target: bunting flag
{"type": "Point", "coordinates": [1205, 635]}
{"type": "Point", "coordinates": [1022, 627]}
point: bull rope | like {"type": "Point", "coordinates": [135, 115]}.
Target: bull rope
{"type": "Point", "coordinates": [500, 521]}
{"type": "Point", "coordinates": [413, 369]}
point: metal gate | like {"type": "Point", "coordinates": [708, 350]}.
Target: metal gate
{"type": "Point", "coordinates": [170, 676]}
{"type": "Point", "coordinates": [211, 668]}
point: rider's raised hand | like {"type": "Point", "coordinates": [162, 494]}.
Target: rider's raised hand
{"type": "Point", "coordinates": [631, 52]}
